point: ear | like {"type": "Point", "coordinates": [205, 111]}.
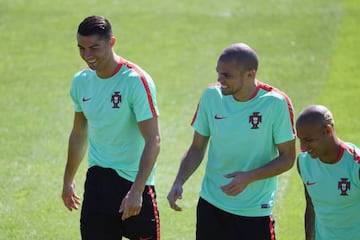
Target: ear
{"type": "Point", "coordinates": [329, 129]}
{"type": "Point", "coordinates": [112, 41]}
{"type": "Point", "coordinates": [251, 74]}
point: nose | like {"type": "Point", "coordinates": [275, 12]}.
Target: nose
{"type": "Point", "coordinates": [86, 53]}
{"type": "Point", "coordinates": [303, 146]}
{"type": "Point", "coordinates": [220, 78]}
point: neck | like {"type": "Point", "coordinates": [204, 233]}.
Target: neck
{"type": "Point", "coordinates": [333, 152]}
{"type": "Point", "coordinates": [246, 93]}
{"type": "Point", "coordinates": [109, 68]}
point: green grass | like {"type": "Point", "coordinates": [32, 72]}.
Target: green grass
{"type": "Point", "coordinates": [310, 49]}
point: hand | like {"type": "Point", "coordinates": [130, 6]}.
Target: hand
{"type": "Point", "coordinates": [239, 182]}
{"type": "Point", "coordinates": [131, 204]}
{"type": "Point", "coordinates": [70, 198]}
{"type": "Point", "coordinates": [175, 194]}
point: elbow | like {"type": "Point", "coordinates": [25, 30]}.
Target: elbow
{"type": "Point", "coordinates": [158, 143]}
{"type": "Point", "coordinates": [290, 161]}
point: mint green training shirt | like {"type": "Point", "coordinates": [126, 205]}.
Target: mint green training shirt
{"type": "Point", "coordinates": [334, 190]}
{"type": "Point", "coordinates": [243, 136]}
{"type": "Point", "coordinates": [113, 107]}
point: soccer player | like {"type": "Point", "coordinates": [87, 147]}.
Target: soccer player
{"type": "Point", "coordinates": [330, 171]}
{"type": "Point", "coordinates": [249, 126]}
{"type": "Point", "coordinates": [116, 117]}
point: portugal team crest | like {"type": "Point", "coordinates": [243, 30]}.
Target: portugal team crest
{"type": "Point", "coordinates": [116, 99]}
{"type": "Point", "coordinates": [344, 186]}
{"type": "Point", "coordinates": [255, 120]}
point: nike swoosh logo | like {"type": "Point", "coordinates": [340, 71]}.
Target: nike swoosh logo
{"type": "Point", "coordinates": [86, 99]}
{"type": "Point", "coordinates": [308, 183]}
{"type": "Point", "coordinates": [218, 117]}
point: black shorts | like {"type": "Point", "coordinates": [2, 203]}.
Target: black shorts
{"type": "Point", "coordinates": [100, 217]}
{"type": "Point", "coordinates": [214, 223]}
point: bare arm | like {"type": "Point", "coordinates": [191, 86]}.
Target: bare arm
{"type": "Point", "coordinates": [309, 218]}
{"type": "Point", "coordinates": [240, 180]}
{"type": "Point", "coordinates": [309, 213]}
{"type": "Point", "coordinates": [76, 151]}
{"type": "Point", "coordinates": [189, 164]}
{"type": "Point", "coordinates": [132, 203]}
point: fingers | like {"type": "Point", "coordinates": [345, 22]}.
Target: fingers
{"type": "Point", "coordinates": [174, 194]}
{"type": "Point", "coordinates": [129, 208]}
{"type": "Point", "coordinates": [72, 202]}
{"type": "Point", "coordinates": [70, 198]}
{"type": "Point", "coordinates": [130, 212]}
{"type": "Point", "coordinates": [233, 188]}
{"type": "Point", "coordinates": [229, 189]}
{"type": "Point", "coordinates": [230, 175]}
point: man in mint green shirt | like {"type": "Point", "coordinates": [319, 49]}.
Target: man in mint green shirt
{"type": "Point", "coordinates": [249, 126]}
{"type": "Point", "coordinates": [116, 117]}
{"type": "Point", "coordinates": [330, 171]}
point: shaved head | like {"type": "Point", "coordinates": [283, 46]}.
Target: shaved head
{"type": "Point", "coordinates": [315, 115]}
{"type": "Point", "coordinates": [244, 55]}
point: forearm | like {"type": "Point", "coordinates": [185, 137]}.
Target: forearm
{"type": "Point", "coordinates": [282, 163]}
{"type": "Point", "coordinates": [309, 225]}
{"type": "Point", "coordinates": [147, 162]}
{"type": "Point", "coordinates": [273, 168]}
{"type": "Point", "coordinates": [76, 152]}
{"type": "Point", "coordinates": [189, 164]}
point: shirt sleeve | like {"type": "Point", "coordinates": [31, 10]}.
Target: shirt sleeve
{"type": "Point", "coordinates": [284, 123]}
{"type": "Point", "coordinates": [74, 94]}
{"type": "Point", "coordinates": [144, 98]}
{"type": "Point", "coordinates": [200, 121]}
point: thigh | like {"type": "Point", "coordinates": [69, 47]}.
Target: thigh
{"type": "Point", "coordinates": [208, 222]}
{"type": "Point", "coordinates": [214, 223]}
{"type": "Point", "coordinates": [146, 225]}
{"type": "Point", "coordinates": [104, 191]}
{"type": "Point", "coordinates": [250, 228]}
{"type": "Point", "coordinates": [105, 226]}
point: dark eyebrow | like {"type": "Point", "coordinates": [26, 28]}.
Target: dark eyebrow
{"type": "Point", "coordinates": [92, 46]}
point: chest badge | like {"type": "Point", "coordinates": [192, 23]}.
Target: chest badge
{"type": "Point", "coordinates": [116, 99]}
{"type": "Point", "coordinates": [255, 119]}
{"type": "Point", "coordinates": [344, 186]}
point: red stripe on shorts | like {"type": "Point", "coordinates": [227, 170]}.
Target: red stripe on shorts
{"type": "Point", "coordinates": [156, 212]}
{"type": "Point", "coordinates": [272, 229]}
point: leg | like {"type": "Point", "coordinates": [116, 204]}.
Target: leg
{"type": "Point", "coordinates": [96, 226]}
{"type": "Point", "coordinates": [104, 190]}
{"type": "Point", "coordinates": [147, 224]}
{"type": "Point", "coordinates": [208, 223]}
{"type": "Point", "coordinates": [251, 228]}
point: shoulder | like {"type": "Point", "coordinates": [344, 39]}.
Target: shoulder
{"type": "Point", "coordinates": [133, 70]}
{"type": "Point", "coordinates": [275, 96]}
{"type": "Point", "coordinates": [271, 91]}
{"type": "Point", "coordinates": [84, 73]}
{"type": "Point", "coordinates": [352, 151]}
{"type": "Point", "coordinates": [304, 159]}
{"type": "Point", "coordinates": [82, 77]}
{"type": "Point", "coordinates": [213, 89]}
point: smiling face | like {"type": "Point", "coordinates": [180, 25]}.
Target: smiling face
{"type": "Point", "coordinates": [95, 51]}
{"type": "Point", "coordinates": [313, 138]}
{"type": "Point", "coordinates": [234, 81]}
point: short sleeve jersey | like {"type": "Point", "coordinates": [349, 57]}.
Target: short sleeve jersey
{"type": "Point", "coordinates": [243, 136]}
{"type": "Point", "coordinates": [334, 190]}
{"type": "Point", "coordinates": [113, 107]}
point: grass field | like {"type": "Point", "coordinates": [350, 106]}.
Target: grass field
{"type": "Point", "coordinates": [309, 49]}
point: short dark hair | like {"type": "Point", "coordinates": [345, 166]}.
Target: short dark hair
{"type": "Point", "coordinates": [95, 25]}
{"type": "Point", "coordinates": [315, 114]}
{"type": "Point", "coordinates": [244, 55]}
